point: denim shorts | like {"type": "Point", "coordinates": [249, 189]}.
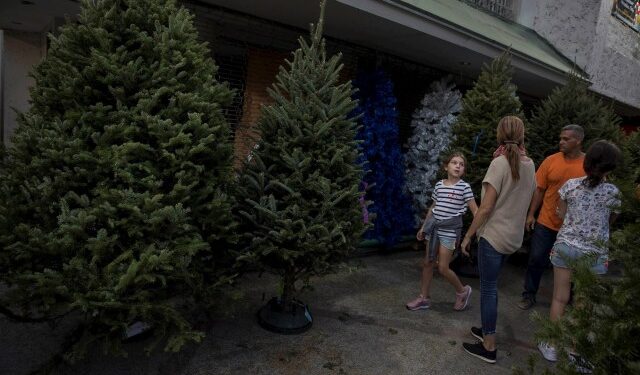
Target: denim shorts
{"type": "Point", "coordinates": [563, 255]}
{"type": "Point", "coordinates": [447, 243]}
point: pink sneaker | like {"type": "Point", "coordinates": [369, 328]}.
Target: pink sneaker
{"type": "Point", "coordinates": [462, 299]}
{"type": "Point", "coordinates": [420, 303]}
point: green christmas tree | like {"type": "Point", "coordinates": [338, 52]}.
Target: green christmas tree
{"type": "Point", "coordinates": [113, 194]}
{"type": "Point", "coordinates": [631, 170]}
{"type": "Point", "coordinates": [570, 104]}
{"type": "Point", "coordinates": [603, 324]}
{"type": "Point", "coordinates": [299, 196]}
{"type": "Point", "coordinates": [492, 97]}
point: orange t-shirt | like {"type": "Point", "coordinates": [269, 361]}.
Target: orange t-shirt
{"type": "Point", "coordinates": [554, 171]}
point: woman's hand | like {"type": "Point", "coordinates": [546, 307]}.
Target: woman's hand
{"type": "Point", "coordinates": [484, 211]}
{"type": "Point", "coordinates": [420, 235]}
{"type": "Point", "coordinates": [465, 246]}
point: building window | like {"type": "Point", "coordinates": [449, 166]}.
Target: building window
{"type": "Point", "coordinates": [627, 11]}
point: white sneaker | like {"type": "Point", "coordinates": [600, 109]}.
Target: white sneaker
{"type": "Point", "coordinates": [582, 365]}
{"type": "Point", "coordinates": [136, 329]}
{"type": "Point", "coordinates": [548, 352]}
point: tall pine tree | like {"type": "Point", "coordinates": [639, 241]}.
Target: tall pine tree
{"type": "Point", "coordinates": [380, 147]}
{"type": "Point", "coordinates": [492, 97]}
{"type": "Point", "coordinates": [113, 194]}
{"type": "Point", "coordinates": [431, 124]}
{"type": "Point", "coordinates": [298, 196]}
{"type": "Point", "coordinates": [570, 104]}
{"type": "Point", "coordinates": [631, 170]}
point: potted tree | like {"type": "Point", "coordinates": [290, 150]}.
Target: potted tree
{"type": "Point", "coordinates": [298, 197]}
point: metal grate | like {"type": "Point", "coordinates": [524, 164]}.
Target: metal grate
{"type": "Point", "coordinates": [503, 8]}
{"type": "Point", "coordinates": [232, 69]}
{"type": "Point", "coordinates": [231, 35]}
{"type": "Point", "coordinates": [229, 55]}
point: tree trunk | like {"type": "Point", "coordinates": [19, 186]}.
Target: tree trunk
{"type": "Point", "coordinates": [288, 290]}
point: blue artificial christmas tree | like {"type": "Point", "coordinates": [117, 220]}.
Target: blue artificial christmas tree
{"type": "Point", "coordinates": [382, 158]}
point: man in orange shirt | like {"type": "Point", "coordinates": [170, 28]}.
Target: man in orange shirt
{"type": "Point", "coordinates": [554, 171]}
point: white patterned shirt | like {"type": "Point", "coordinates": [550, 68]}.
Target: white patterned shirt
{"type": "Point", "coordinates": [586, 223]}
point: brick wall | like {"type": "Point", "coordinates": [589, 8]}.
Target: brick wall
{"type": "Point", "coordinates": [262, 67]}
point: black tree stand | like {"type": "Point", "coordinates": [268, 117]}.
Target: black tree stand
{"type": "Point", "coordinates": [274, 317]}
{"type": "Point", "coordinates": [466, 266]}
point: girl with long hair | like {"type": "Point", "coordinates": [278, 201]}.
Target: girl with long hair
{"type": "Point", "coordinates": [588, 206]}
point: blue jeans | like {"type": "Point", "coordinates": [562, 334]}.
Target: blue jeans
{"type": "Point", "coordinates": [542, 242]}
{"type": "Point", "coordinates": [489, 264]}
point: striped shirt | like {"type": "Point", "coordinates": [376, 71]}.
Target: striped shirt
{"type": "Point", "coordinates": [450, 201]}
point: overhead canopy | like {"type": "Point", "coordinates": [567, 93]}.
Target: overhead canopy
{"type": "Point", "coordinates": [445, 34]}
{"type": "Point", "coordinates": [483, 25]}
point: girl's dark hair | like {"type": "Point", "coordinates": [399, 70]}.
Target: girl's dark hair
{"type": "Point", "coordinates": [602, 157]}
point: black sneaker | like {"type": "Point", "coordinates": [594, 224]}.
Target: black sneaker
{"type": "Point", "coordinates": [477, 333]}
{"type": "Point", "coordinates": [478, 351]}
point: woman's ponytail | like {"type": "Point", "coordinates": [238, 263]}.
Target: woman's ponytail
{"type": "Point", "coordinates": [510, 133]}
{"type": "Point", "coordinates": [513, 156]}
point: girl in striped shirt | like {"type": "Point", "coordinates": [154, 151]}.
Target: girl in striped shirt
{"type": "Point", "coordinates": [451, 198]}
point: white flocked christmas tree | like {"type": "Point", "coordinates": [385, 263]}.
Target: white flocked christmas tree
{"type": "Point", "coordinates": [431, 135]}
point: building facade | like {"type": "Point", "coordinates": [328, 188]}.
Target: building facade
{"type": "Point", "coordinates": [601, 41]}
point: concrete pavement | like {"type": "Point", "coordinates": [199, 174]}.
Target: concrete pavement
{"type": "Point", "coordinates": [360, 327]}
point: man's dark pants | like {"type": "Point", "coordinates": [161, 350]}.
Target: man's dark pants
{"type": "Point", "coordinates": [542, 242]}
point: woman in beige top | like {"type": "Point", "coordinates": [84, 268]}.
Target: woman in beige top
{"type": "Point", "coordinates": [507, 188]}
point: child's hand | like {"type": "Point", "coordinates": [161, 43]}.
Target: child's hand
{"type": "Point", "coordinates": [465, 246]}
{"type": "Point", "coordinates": [420, 235]}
